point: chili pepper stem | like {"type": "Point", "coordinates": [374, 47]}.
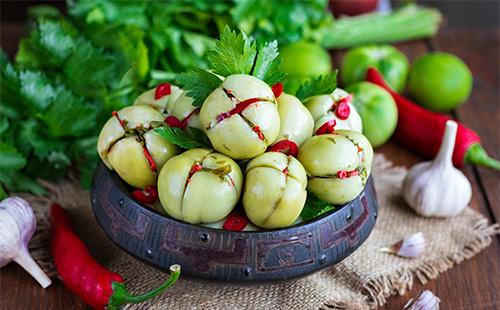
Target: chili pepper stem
{"type": "Point", "coordinates": [122, 296]}
{"type": "Point", "coordinates": [478, 156]}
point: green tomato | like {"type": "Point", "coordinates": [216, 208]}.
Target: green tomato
{"type": "Point", "coordinates": [296, 123]}
{"type": "Point", "coordinates": [334, 167]}
{"type": "Point", "coordinates": [125, 154]}
{"type": "Point", "coordinates": [378, 111]}
{"type": "Point", "coordinates": [303, 60]}
{"type": "Point", "coordinates": [440, 81]}
{"type": "Point", "coordinates": [203, 195]}
{"type": "Point", "coordinates": [387, 59]}
{"type": "Point", "coordinates": [236, 136]}
{"type": "Point", "coordinates": [275, 190]}
{"type": "Point", "coordinates": [365, 149]}
{"type": "Point", "coordinates": [163, 104]}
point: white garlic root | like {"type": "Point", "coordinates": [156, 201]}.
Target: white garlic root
{"type": "Point", "coordinates": [17, 225]}
{"type": "Point", "coordinates": [412, 246]}
{"type": "Point", "coordinates": [436, 188]}
{"type": "Point", "coordinates": [425, 301]}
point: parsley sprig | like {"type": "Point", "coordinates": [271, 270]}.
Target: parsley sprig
{"type": "Point", "coordinates": [190, 139]}
{"type": "Point", "coordinates": [315, 207]}
{"type": "Point", "coordinates": [234, 53]}
{"type": "Point", "coordinates": [318, 85]}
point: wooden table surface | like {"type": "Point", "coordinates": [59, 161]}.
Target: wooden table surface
{"type": "Point", "coordinates": [474, 284]}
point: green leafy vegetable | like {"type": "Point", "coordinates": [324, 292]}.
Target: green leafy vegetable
{"type": "Point", "coordinates": [199, 84]}
{"type": "Point", "coordinates": [267, 64]}
{"type": "Point", "coordinates": [194, 138]}
{"type": "Point", "coordinates": [315, 207]}
{"type": "Point", "coordinates": [233, 54]}
{"type": "Point", "coordinates": [323, 84]}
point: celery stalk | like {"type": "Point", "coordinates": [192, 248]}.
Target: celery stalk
{"type": "Point", "coordinates": [407, 23]}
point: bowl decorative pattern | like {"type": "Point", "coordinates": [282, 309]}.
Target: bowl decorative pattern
{"type": "Point", "coordinates": [231, 256]}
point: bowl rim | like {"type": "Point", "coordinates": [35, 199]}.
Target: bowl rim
{"type": "Point", "coordinates": [122, 187]}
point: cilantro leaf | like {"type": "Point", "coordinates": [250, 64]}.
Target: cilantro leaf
{"type": "Point", "coordinates": [319, 85]}
{"type": "Point", "coordinates": [198, 84]}
{"type": "Point", "coordinates": [315, 207]}
{"type": "Point", "coordinates": [16, 181]}
{"type": "Point", "coordinates": [36, 90]}
{"type": "Point", "coordinates": [55, 41]}
{"type": "Point", "coordinates": [268, 63]}
{"type": "Point", "coordinates": [191, 140]}
{"type": "Point", "coordinates": [233, 54]}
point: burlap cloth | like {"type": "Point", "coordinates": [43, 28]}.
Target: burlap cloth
{"type": "Point", "coordinates": [363, 281]}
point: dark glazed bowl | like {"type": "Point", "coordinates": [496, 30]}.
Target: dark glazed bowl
{"type": "Point", "coordinates": [231, 256]}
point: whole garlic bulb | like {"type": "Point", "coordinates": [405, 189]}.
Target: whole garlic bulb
{"type": "Point", "coordinates": [436, 188]}
{"type": "Point", "coordinates": [17, 226]}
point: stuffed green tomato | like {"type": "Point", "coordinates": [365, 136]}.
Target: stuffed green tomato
{"type": "Point", "coordinates": [128, 144]}
{"type": "Point", "coordinates": [199, 186]}
{"type": "Point", "coordinates": [338, 165]}
{"type": "Point", "coordinates": [275, 190]}
{"type": "Point", "coordinates": [333, 112]}
{"type": "Point", "coordinates": [241, 117]}
{"type": "Point", "coordinates": [296, 125]}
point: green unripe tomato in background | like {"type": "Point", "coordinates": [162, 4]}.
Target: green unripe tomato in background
{"type": "Point", "coordinates": [301, 61]}
{"type": "Point", "coordinates": [378, 111]}
{"type": "Point", "coordinates": [440, 81]}
{"type": "Point", "coordinates": [387, 59]}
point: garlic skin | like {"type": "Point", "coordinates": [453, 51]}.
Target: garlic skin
{"type": "Point", "coordinates": [436, 188]}
{"type": "Point", "coordinates": [412, 246]}
{"type": "Point", "coordinates": [425, 301]}
{"type": "Point", "coordinates": [17, 226]}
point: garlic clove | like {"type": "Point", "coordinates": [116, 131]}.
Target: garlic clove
{"type": "Point", "coordinates": [436, 188]}
{"type": "Point", "coordinates": [425, 301]}
{"type": "Point", "coordinates": [412, 246]}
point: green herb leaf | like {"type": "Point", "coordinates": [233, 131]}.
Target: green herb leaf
{"type": "Point", "coordinates": [36, 90]}
{"type": "Point", "coordinates": [315, 207]}
{"type": "Point", "coordinates": [11, 158]}
{"type": "Point", "coordinates": [15, 181]}
{"type": "Point", "coordinates": [320, 85]}
{"type": "Point", "coordinates": [233, 54]}
{"type": "Point", "coordinates": [185, 140]}
{"type": "Point", "coordinates": [268, 64]}
{"type": "Point", "coordinates": [198, 84]}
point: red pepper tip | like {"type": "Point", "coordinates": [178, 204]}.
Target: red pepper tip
{"type": "Point", "coordinates": [277, 89]}
{"type": "Point", "coordinates": [162, 90]}
{"type": "Point", "coordinates": [235, 222]}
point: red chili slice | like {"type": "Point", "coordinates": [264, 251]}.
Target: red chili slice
{"type": "Point", "coordinates": [353, 173]}
{"type": "Point", "coordinates": [173, 121]}
{"type": "Point", "coordinates": [194, 168]}
{"type": "Point", "coordinates": [259, 133]}
{"type": "Point", "coordinates": [342, 174]}
{"type": "Point", "coordinates": [122, 123]}
{"type": "Point", "coordinates": [149, 158]}
{"type": "Point", "coordinates": [287, 147]}
{"type": "Point", "coordinates": [277, 89]}
{"type": "Point", "coordinates": [237, 109]}
{"type": "Point", "coordinates": [162, 90]}
{"type": "Point", "coordinates": [327, 127]}
{"type": "Point", "coordinates": [148, 195]}
{"type": "Point", "coordinates": [235, 222]}
{"type": "Point", "coordinates": [343, 111]}
{"type": "Point", "coordinates": [285, 171]}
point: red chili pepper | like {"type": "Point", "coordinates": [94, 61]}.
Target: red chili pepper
{"type": "Point", "coordinates": [94, 284]}
{"type": "Point", "coordinates": [237, 109]}
{"type": "Point", "coordinates": [122, 123]}
{"type": "Point", "coordinates": [194, 168]}
{"type": "Point", "coordinates": [235, 222]}
{"type": "Point", "coordinates": [149, 158]}
{"type": "Point", "coordinates": [148, 195]}
{"type": "Point", "coordinates": [277, 89]}
{"type": "Point", "coordinates": [173, 121]}
{"type": "Point", "coordinates": [343, 110]}
{"type": "Point", "coordinates": [422, 131]}
{"type": "Point", "coordinates": [342, 174]}
{"type": "Point", "coordinates": [327, 127]}
{"type": "Point", "coordinates": [285, 171]}
{"type": "Point", "coordinates": [259, 133]}
{"type": "Point", "coordinates": [162, 90]}
{"type": "Point", "coordinates": [287, 147]}
{"type": "Point", "coordinates": [353, 173]}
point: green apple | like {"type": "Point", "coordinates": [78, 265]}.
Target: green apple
{"type": "Point", "coordinates": [199, 186]}
{"type": "Point", "coordinates": [393, 65]}
{"type": "Point", "coordinates": [247, 133]}
{"type": "Point", "coordinates": [275, 190]}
